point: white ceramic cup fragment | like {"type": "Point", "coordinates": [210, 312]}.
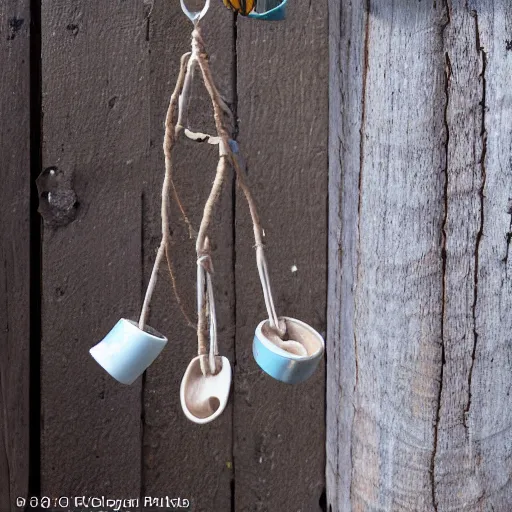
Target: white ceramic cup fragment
{"type": "Point", "coordinates": [127, 351]}
{"type": "Point", "coordinates": [204, 398]}
{"type": "Point", "coordinates": [281, 359]}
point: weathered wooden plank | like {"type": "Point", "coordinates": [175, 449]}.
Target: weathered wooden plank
{"type": "Point", "coordinates": [192, 461]}
{"type": "Point", "coordinates": [392, 439]}
{"type": "Point", "coordinates": [454, 462]}
{"type": "Point", "coordinates": [96, 124]}
{"type": "Point", "coordinates": [282, 107]}
{"type": "Point", "coordinates": [387, 106]}
{"type": "Point", "coordinates": [346, 30]}
{"type": "Point", "coordinates": [14, 250]}
{"type": "Point", "coordinates": [473, 459]}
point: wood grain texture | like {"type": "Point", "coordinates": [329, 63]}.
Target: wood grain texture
{"type": "Point", "coordinates": [14, 250]}
{"type": "Point", "coordinates": [473, 458]}
{"type": "Point", "coordinates": [346, 24]}
{"type": "Point", "coordinates": [95, 147]}
{"type": "Point", "coordinates": [180, 457]}
{"type": "Point", "coordinates": [386, 295]}
{"type": "Point", "coordinates": [419, 257]}
{"type": "Point", "coordinates": [282, 110]}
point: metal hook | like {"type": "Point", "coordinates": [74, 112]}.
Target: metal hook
{"type": "Point", "coordinates": [194, 17]}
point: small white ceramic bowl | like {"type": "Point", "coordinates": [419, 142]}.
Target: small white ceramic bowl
{"type": "Point", "coordinates": [203, 398]}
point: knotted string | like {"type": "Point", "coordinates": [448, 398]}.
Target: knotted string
{"type": "Point", "coordinates": [164, 248]}
{"type": "Point", "coordinates": [219, 106]}
{"type": "Point", "coordinates": [178, 102]}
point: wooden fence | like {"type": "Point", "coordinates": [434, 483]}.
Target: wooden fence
{"type": "Point", "coordinates": [84, 90]}
{"type": "Point", "coordinates": [417, 400]}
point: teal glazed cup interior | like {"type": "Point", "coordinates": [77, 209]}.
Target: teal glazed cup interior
{"type": "Point", "coordinates": [276, 13]}
{"type": "Point", "coordinates": [126, 351]}
{"type": "Point", "coordinates": [281, 364]}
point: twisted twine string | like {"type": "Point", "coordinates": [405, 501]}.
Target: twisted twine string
{"type": "Point", "coordinates": [179, 100]}
{"type": "Point", "coordinates": [219, 107]}
{"type": "Point", "coordinates": [164, 248]}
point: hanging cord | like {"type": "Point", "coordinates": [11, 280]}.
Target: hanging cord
{"type": "Point", "coordinates": [219, 106]}
{"type": "Point", "coordinates": [202, 246]}
{"type": "Point", "coordinates": [179, 99]}
{"type": "Point", "coordinates": [204, 303]}
{"type": "Point", "coordinates": [164, 248]}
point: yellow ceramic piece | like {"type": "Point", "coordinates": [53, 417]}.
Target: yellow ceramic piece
{"type": "Point", "coordinates": [243, 7]}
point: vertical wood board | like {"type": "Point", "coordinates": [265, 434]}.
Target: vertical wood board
{"type": "Point", "coordinates": [473, 464]}
{"type": "Point", "coordinates": [282, 111]}
{"type": "Point", "coordinates": [429, 332]}
{"type": "Point", "coordinates": [388, 108]}
{"type": "Point", "coordinates": [193, 461]}
{"type": "Point", "coordinates": [346, 28]}
{"type": "Point", "coordinates": [95, 144]}
{"type": "Point", "coordinates": [14, 250]}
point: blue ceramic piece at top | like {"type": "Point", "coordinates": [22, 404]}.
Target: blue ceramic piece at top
{"type": "Point", "coordinates": [281, 364]}
{"type": "Point", "coordinates": [276, 14]}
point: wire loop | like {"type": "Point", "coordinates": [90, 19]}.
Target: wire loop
{"type": "Point", "coordinates": [195, 16]}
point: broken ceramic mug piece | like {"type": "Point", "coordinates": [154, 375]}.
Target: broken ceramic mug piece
{"type": "Point", "coordinates": [292, 360]}
{"type": "Point", "coordinates": [269, 10]}
{"type": "Point", "coordinates": [126, 351]}
{"type": "Point", "coordinates": [204, 396]}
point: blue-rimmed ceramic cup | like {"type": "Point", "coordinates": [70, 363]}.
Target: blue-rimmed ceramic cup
{"type": "Point", "coordinates": [269, 10]}
{"type": "Point", "coordinates": [126, 351]}
{"type": "Point", "coordinates": [282, 364]}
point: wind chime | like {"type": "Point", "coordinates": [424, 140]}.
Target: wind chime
{"type": "Point", "coordinates": [285, 348]}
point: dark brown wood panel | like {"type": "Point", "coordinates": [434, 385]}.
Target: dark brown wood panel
{"type": "Point", "coordinates": [95, 146]}
{"type": "Point", "coordinates": [14, 250]}
{"type": "Point", "coordinates": [191, 461]}
{"type": "Point", "coordinates": [282, 107]}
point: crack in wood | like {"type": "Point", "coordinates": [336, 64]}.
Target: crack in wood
{"type": "Point", "coordinates": [483, 134]}
{"type": "Point", "coordinates": [4, 433]}
{"type": "Point", "coordinates": [236, 129]}
{"type": "Point", "coordinates": [361, 159]}
{"type": "Point", "coordinates": [4, 439]}
{"type": "Point", "coordinates": [448, 73]}
{"type": "Point", "coordinates": [508, 235]}
{"type": "Point", "coordinates": [359, 206]}
{"type": "Point", "coordinates": [35, 413]}
{"type": "Point", "coordinates": [142, 490]}
{"type": "Point", "coordinates": [508, 238]}
{"type": "Point", "coordinates": [447, 77]}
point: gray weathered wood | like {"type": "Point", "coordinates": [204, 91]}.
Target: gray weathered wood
{"type": "Point", "coordinates": [282, 110]}
{"type": "Point", "coordinates": [386, 191]}
{"type": "Point", "coordinates": [418, 405]}
{"type": "Point", "coordinates": [95, 140]}
{"type": "Point", "coordinates": [473, 459]}
{"type": "Point", "coordinates": [346, 23]}
{"type": "Point", "coordinates": [193, 461]}
{"type": "Point", "coordinates": [14, 250]}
